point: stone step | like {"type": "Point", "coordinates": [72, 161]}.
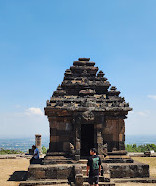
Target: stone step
{"type": "Point", "coordinates": [83, 161]}
{"type": "Point", "coordinates": [101, 184]}
{"type": "Point", "coordinates": [112, 160]}
{"type": "Point", "coordinates": [57, 157]}
{"type": "Point", "coordinates": [137, 180]}
{"type": "Point", "coordinates": [56, 154]}
{"type": "Point", "coordinates": [44, 182]}
{"type": "Point", "coordinates": [101, 179]}
{"type": "Point", "coordinates": [118, 153]}
{"type": "Point", "coordinates": [105, 170]}
{"type": "Point", "coordinates": [84, 172]}
{"type": "Point", "coordinates": [105, 177]}
{"type": "Point", "coordinates": [118, 160]}
{"type": "Point", "coordinates": [57, 161]}
{"type": "Point", "coordinates": [117, 157]}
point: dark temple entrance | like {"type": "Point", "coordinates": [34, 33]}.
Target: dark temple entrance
{"type": "Point", "coordinates": [87, 138]}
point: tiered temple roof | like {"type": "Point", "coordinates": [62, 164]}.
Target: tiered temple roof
{"type": "Point", "coordinates": [84, 88]}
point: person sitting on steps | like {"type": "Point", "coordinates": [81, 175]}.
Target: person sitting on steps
{"type": "Point", "coordinates": [35, 158]}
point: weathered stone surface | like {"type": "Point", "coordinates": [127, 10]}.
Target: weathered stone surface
{"type": "Point", "coordinates": [79, 86]}
{"type": "Point", "coordinates": [61, 171]}
{"type": "Point", "coordinates": [128, 170]}
{"type": "Point", "coordinates": [78, 175]}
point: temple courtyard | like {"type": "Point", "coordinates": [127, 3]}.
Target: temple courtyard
{"type": "Point", "coordinates": [14, 170]}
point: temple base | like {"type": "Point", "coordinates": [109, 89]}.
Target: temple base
{"type": "Point", "coordinates": [71, 172]}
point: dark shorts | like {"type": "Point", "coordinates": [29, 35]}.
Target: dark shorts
{"type": "Point", "coordinates": [93, 179]}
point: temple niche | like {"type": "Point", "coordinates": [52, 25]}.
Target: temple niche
{"type": "Point", "coordinates": [86, 111]}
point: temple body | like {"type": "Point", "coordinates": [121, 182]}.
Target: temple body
{"type": "Point", "coordinates": [85, 112]}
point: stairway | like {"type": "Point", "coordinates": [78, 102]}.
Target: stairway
{"type": "Point", "coordinates": [103, 180]}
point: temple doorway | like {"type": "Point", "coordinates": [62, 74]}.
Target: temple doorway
{"type": "Point", "coordinates": [87, 138]}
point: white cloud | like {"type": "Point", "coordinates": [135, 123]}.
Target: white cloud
{"type": "Point", "coordinates": [17, 106]}
{"type": "Point", "coordinates": [144, 113]}
{"type": "Point", "coordinates": [34, 111]}
{"type": "Point", "coordinates": [152, 96]}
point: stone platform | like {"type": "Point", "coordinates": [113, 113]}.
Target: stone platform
{"type": "Point", "coordinates": [123, 170]}
{"type": "Point", "coordinates": [128, 170]}
{"type": "Point", "coordinates": [59, 170]}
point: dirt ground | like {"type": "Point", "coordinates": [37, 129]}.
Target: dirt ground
{"type": "Point", "coordinates": [15, 169]}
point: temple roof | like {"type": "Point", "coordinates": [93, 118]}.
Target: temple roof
{"type": "Point", "coordinates": [84, 88]}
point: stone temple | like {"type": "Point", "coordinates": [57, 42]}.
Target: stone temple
{"type": "Point", "coordinates": [84, 112]}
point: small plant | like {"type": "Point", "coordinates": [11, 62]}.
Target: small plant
{"type": "Point", "coordinates": [44, 150]}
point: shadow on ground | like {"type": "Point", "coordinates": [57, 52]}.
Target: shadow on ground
{"type": "Point", "coordinates": [18, 176]}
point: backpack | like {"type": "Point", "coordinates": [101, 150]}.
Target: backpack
{"type": "Point", "coordinates": [95, 163]}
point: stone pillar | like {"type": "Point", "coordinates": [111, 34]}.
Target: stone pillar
{"type": "Point", "coordinates": [121, 134]}
{"type": "Point", "coordinates": [77, 138]}
{"type": "Point", "coordinates": [38, 142]}
{"type": "Point", "coordinates": [77, 154]}
{"type": "Point", "coordinates": [98, 138]}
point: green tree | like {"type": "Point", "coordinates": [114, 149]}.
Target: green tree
{"type": "Point", "coordinates": [140, 148]}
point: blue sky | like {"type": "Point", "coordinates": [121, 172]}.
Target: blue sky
{"type": "Point", "coordinates": [39, 40]}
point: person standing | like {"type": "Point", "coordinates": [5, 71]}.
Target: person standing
{"type": "Point", "coordinates": [93, 167]}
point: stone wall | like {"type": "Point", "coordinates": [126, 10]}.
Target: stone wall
{"type": "Point", "coordinates": [61, 131]}
{"type": "Point", "coordinates": [65, 130]}
{"type": "Point", "coordinates": [114, 134]}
